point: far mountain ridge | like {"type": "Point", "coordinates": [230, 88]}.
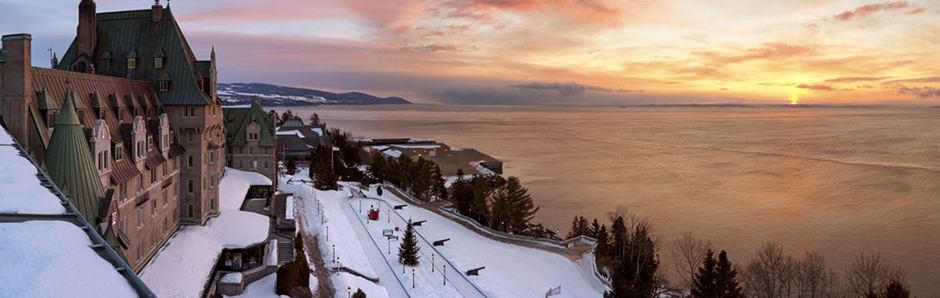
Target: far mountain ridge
{"type": "Point", "coordinates": [279, 96]}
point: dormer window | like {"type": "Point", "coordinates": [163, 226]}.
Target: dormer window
{"type": "Point", "coordinates": [132, 60]}
{"type": "Point", "coordinates": [105, 62]}
{"type": "Point", "coordinates": [50, 118]}
{"type": "Point", "coordinates": [119, 152]}
{"type": "Point", "coordinates": [158, 59]}
{"type": "Point", "coordinates": [164, 85]}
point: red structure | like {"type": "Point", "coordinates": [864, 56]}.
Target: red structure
{"type": "Point", "coordinates": [374, 214]}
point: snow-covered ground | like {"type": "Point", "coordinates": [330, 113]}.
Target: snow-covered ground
{"type": "Point", "coordinates": [182, 267]}
{"type": "Point", "coordinates": [511, 270]}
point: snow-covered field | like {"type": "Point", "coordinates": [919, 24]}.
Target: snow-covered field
{"type": "Point", "coordinates": [182, 267]}
{"type": "Point", "coordinates": [511, 270]}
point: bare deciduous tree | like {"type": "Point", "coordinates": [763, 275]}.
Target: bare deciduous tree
{"type": "Point", "coordinates": [870, 274]}
{"type": "Point", "coordinates": [770, 273]}
{"type": "Point", "coordinates": [688, 252]}
{"type": "Point", "coordinates": [813, 278]}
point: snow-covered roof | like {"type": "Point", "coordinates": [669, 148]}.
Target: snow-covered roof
{"type": "Point", "coordinates": [51, 255]}
{"type": "Point", "coordinates": [432, 146]}
{"type": "Point", "coordinates": [392, 152]}
{"type": "Point", "coordinates": [53, 258]}
{"type": "Point", "coordinates": [290, 132]}
{"type": "Point", "coordinates": [21, 190]}
{"type": "Point", "coordinates": [182, 267]}
{"type": "Point", "coordinates": [317, 130]}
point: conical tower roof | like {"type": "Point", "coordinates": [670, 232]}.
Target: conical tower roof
{"type": "Point", "coordinates": [69, 163]}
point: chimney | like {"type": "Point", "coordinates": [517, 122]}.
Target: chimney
{"type": "Point", "coordinates": [87, 32]}
{"type": "Point", "coordinates": [16, 85]}
{"type": "Point", "coordinates": [157, 9]}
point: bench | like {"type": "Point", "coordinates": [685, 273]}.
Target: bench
{"type": "Point", "coordinates": [418, 223]}
{"type": "Point", "coordinates": [398, 207]}
{"type": "Point", "coordinates": [390, 234]}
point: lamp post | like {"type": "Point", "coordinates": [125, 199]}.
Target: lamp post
{"type": "Point", "coordinates": [318, 203]}
{"type": "Point", "coordinates": [338, 263]}
{"type": "Point", "coordinates": [322, 220]}
{"type": "Point", "coordinates": [389, 245]}
{"type": "Point", "coordinates": [334, 250]}
{"type": "Point", "coordinates": [327, 233]}
{"type": "Point", "coordinates": [412, 278]}
{"type": "Point", "coordinates": [388, 214]}
{"type": "Point", "coordinates": [432, 262]}
{"type": "Point", "coordinates": [348, 291]}
{"type": "Point", "coordinates": [445, 274]}
{"type": "Point", "coordinates": [360, 205]}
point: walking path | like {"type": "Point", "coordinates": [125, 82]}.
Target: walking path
{"type": "Point", "coordinates": [387, 278]}
{"type": "Point", "coordinates": [456, 282]}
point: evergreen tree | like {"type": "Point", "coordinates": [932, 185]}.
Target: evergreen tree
{"type": "Point", "coordinates": [520, 209]}
{"type": "Point", "coordinates": [461, 194]}
{"type": "Point", "coordinates": [595, 227]}
{"type": "Point", "coordinates": [579, 226]}
{"type": "Point", "coordinates": [618, 233]}
{"type": "Point", "coordinates": [408, 250]}
{"type": "Point", "coordinates": [480, 206]}
{"type": "Point", "coordinates": [291, 167]}
{"type": "Point", "coordinates": [716, 279]}
{"type": "Point", "coordinates": [603, 244]}
{"type": "Point", "coordinates": [314, 119]}
{"type": "Point", "coordinates": [378, 169]}
{"type": "Point", "coordinates": [439, 187]}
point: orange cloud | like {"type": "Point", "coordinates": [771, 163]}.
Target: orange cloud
{"type": "Point", "coordinates": [815, 87]}
{"type": "Point", "coordinates": [867, 10]}
{"type": "Point", "coordinates": [855, 79]}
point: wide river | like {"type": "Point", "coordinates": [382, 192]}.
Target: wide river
{"type": "Point", "coordinates": [840, 181]}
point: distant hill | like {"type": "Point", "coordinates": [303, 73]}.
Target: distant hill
{"type": "Point", "coordinates": [273, 96]}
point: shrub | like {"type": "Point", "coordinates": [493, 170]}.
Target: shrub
{"type": "Point", "coordinates": [359, 294]}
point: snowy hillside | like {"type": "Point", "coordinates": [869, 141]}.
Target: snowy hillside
{"type": "Point", "coordinates": [273, 95]}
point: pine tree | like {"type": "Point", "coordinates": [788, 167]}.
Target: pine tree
{"type": "Point", "coordinates": [595, 227]}
{"type": "Point", "coordinates": [520, 209]}
{"type": "Point", "coordinates": [716, 279]}
{"type": "Point", "coordinates": [603, 244]}
{"type": "Point", "coordinates": [314, 119]}
{"type": "Point", "coordinates": [480, 207]}
{"type": "Point", "coordinates": [408, 250]}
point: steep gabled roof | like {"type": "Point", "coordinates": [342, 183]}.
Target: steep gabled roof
{"type": "Point", "coordinates": [237, 120]}
{"type": "Point", "coordinates": [68, 161]}
{"type": "Point", "coordinates": [126, 34]}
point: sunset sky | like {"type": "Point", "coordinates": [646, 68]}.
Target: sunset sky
{"type": "Point", "coordinates": [553, 52]}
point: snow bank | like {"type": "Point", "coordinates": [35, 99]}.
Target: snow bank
{"type": "Point", "coordinates": [53, 259]}
{"type": "Point", "coordinates": [182, 267]}
{"type": "Point", "coordinates": [232, 278]}
{"type": "Point", "coordinates": [20, 189]}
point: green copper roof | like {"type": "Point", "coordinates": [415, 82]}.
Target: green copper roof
{"type": "Point", "coordinates": [238, 119]}
{"type": "Point", "coordinates": [126, 34]}
{"type": "Point", "coordinates": [69, 163]}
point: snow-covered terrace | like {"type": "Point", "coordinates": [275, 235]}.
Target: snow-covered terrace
{"type": "Point", "coordinates": [44, 251]}
{"type": "Point", "coordinates": [182, 267]}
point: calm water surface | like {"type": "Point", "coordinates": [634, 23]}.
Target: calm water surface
{"type": "Point", "coordinates": [840, 181]}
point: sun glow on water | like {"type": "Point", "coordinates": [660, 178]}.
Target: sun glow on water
{"type": "Point", "coordinates": [795, 96]}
